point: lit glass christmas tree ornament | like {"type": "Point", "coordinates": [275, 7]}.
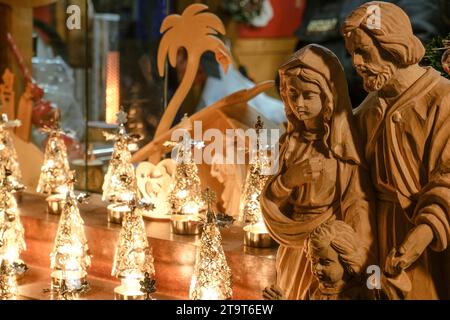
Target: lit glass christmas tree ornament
{"type": "Point", "coordinates": [212, 276]}
{"type": "Point", "coordinates": [184, 197]}
{"type": "Point", "coordinates": [55, 169]}
{"type": "Point", "coordinates": [133, 260]}
{"type": "Point", "coordinates": [12, 239]}
{"type": "Point", "coordinates": [120, 180]}
{"type": "Point", "coordinates": [8, 154]}
{"type": "Point", "coordinates": [70, 257]}
{"type": "Point", "coordinates": [256, 233]}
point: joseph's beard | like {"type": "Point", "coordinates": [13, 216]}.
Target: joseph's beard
{"type": "Point", "coordinates": [375, 77]}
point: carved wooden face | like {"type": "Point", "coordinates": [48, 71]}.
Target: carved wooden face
{"type": "Point", "coordinates": [303, 98]}
{"type": "Point", "coordinates": [326, 265]}
{"type": "Point", "coordinates": [371, 62]}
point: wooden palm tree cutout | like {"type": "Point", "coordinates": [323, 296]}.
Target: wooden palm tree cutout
{"type": "Point", "coordinates": [195, 31]}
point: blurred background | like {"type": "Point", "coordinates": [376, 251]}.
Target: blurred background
{"type": "Point", "coordinates": [110, 61]}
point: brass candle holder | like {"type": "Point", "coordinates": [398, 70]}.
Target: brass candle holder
{"type": "Point", "coordinates": [55, 203]}
{"type": "Point", "coordinates": [116, 211]}
{"type": "Point", "coordinates": [257, 236]}
{"type": "Point", "coordinates": [130, 289]}
{"type": "Point", "coordinates": [185, 224]}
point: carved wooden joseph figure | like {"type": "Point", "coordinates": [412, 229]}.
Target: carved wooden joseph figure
{"type": "Point", "coordinates": [405, 125]}
{"type": "Point", "coordinates": [320, 175]}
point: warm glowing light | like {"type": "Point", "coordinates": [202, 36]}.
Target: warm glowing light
{"type": "Point", "coordinates": [133, 147]}
{"type": "Point", "coordinates": [112, 86]}
{"type": "Point", "coordinates": [72, 264]}
{"type": "Point", "coordinates": [12, 254]}
{"type": "Point", "coordinates": [190, 208]}
{"type": "Point", "coordinates": [71, 250]}
{"type": "Point", "coordinates": [210, 293]}
{"type": "Point", "coordinates": [182, 194]}
{"type": "Point", "coordinates": [259, 228]}
{"type": "Point", "coordinates": [126, 196]}
{"type": "Point", "coordinates": [118, 208]}
{"type": "Point", "coordinates": [50, 163]}
{"type": "Point", "coordinates": [131, 285]}
{"type": "Point", "coordinates": [72, 277]}
{"type": "Point", "coordinates": [59, 197]}
{"type": "Point", "coordinates": [62, 189]}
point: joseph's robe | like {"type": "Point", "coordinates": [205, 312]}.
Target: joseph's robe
{"type": "Point", "coordinates": [407, 145]}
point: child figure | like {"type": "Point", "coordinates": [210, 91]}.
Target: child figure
{"type": "Point", "coordinates": [336, 261]}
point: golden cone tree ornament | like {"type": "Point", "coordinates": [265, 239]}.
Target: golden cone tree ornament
{"type": "Point", "coordinates": [12, 239]}
{"type": "Point", "coordinates": [133, 259]}
{"type": "Point", "coordinates": [70, 257]}
{"type": "Point", "coordinates": [185, 196]}
{"type": "Point", "coordinates": [120, 179]}
{"type": "Point", "coordinates": [8, 154]}
{"type": "Point", "coordinates": [55, 169]}
{"type": "Point", "coordinates": [212, 276]}
{"type": "Point", "coordinates": [250, 208]}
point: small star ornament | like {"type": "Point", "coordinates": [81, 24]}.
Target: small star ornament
{"type": "Point", "coordinates": [122, 117]}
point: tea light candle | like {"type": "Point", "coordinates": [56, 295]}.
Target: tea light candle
{"type": "Point", "coordinates": [73, 278]}
{"type": "Point", "coordinates": [210, 293]}
{"type": "Point", "coordinates": [185, 224]}
{"type": "Point", "coordinates": [116, 212]}
{"type": "Point", "coordinates": [130, 288]}
{"type": "Point", "coordinates": [126, 196]}
{"type": "Point", "coordinates": [55, 203]}
{"type": "Point", "coordinates": [190, 208]}
{"type": "Point", "coordinates": [257, 236]}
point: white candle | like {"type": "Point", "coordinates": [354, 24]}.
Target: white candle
{"type": "Point", "coordinates": [182, 194]}
{"type": "Point", "coordinates": [259, 228]}
{"type": "Point", "coordinates": [190, 208]}
{"type": "Point", "coordinates": [210, 293]}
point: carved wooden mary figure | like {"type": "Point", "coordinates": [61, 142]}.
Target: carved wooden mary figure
{"type": "Point", "coordinates": [320, 174]}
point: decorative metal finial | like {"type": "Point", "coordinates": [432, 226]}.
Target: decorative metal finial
{"type": "Point", "coordinates": [259, 124]}
{"type": "Point", "coordinates": [122, 117]}
{"type": "Point", "coordinates": [209, 197]}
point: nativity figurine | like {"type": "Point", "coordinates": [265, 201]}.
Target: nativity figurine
{"type": "Point", "coordinates": [404, 126]}
{"type": "Point", "coordinates": [321, 175]}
